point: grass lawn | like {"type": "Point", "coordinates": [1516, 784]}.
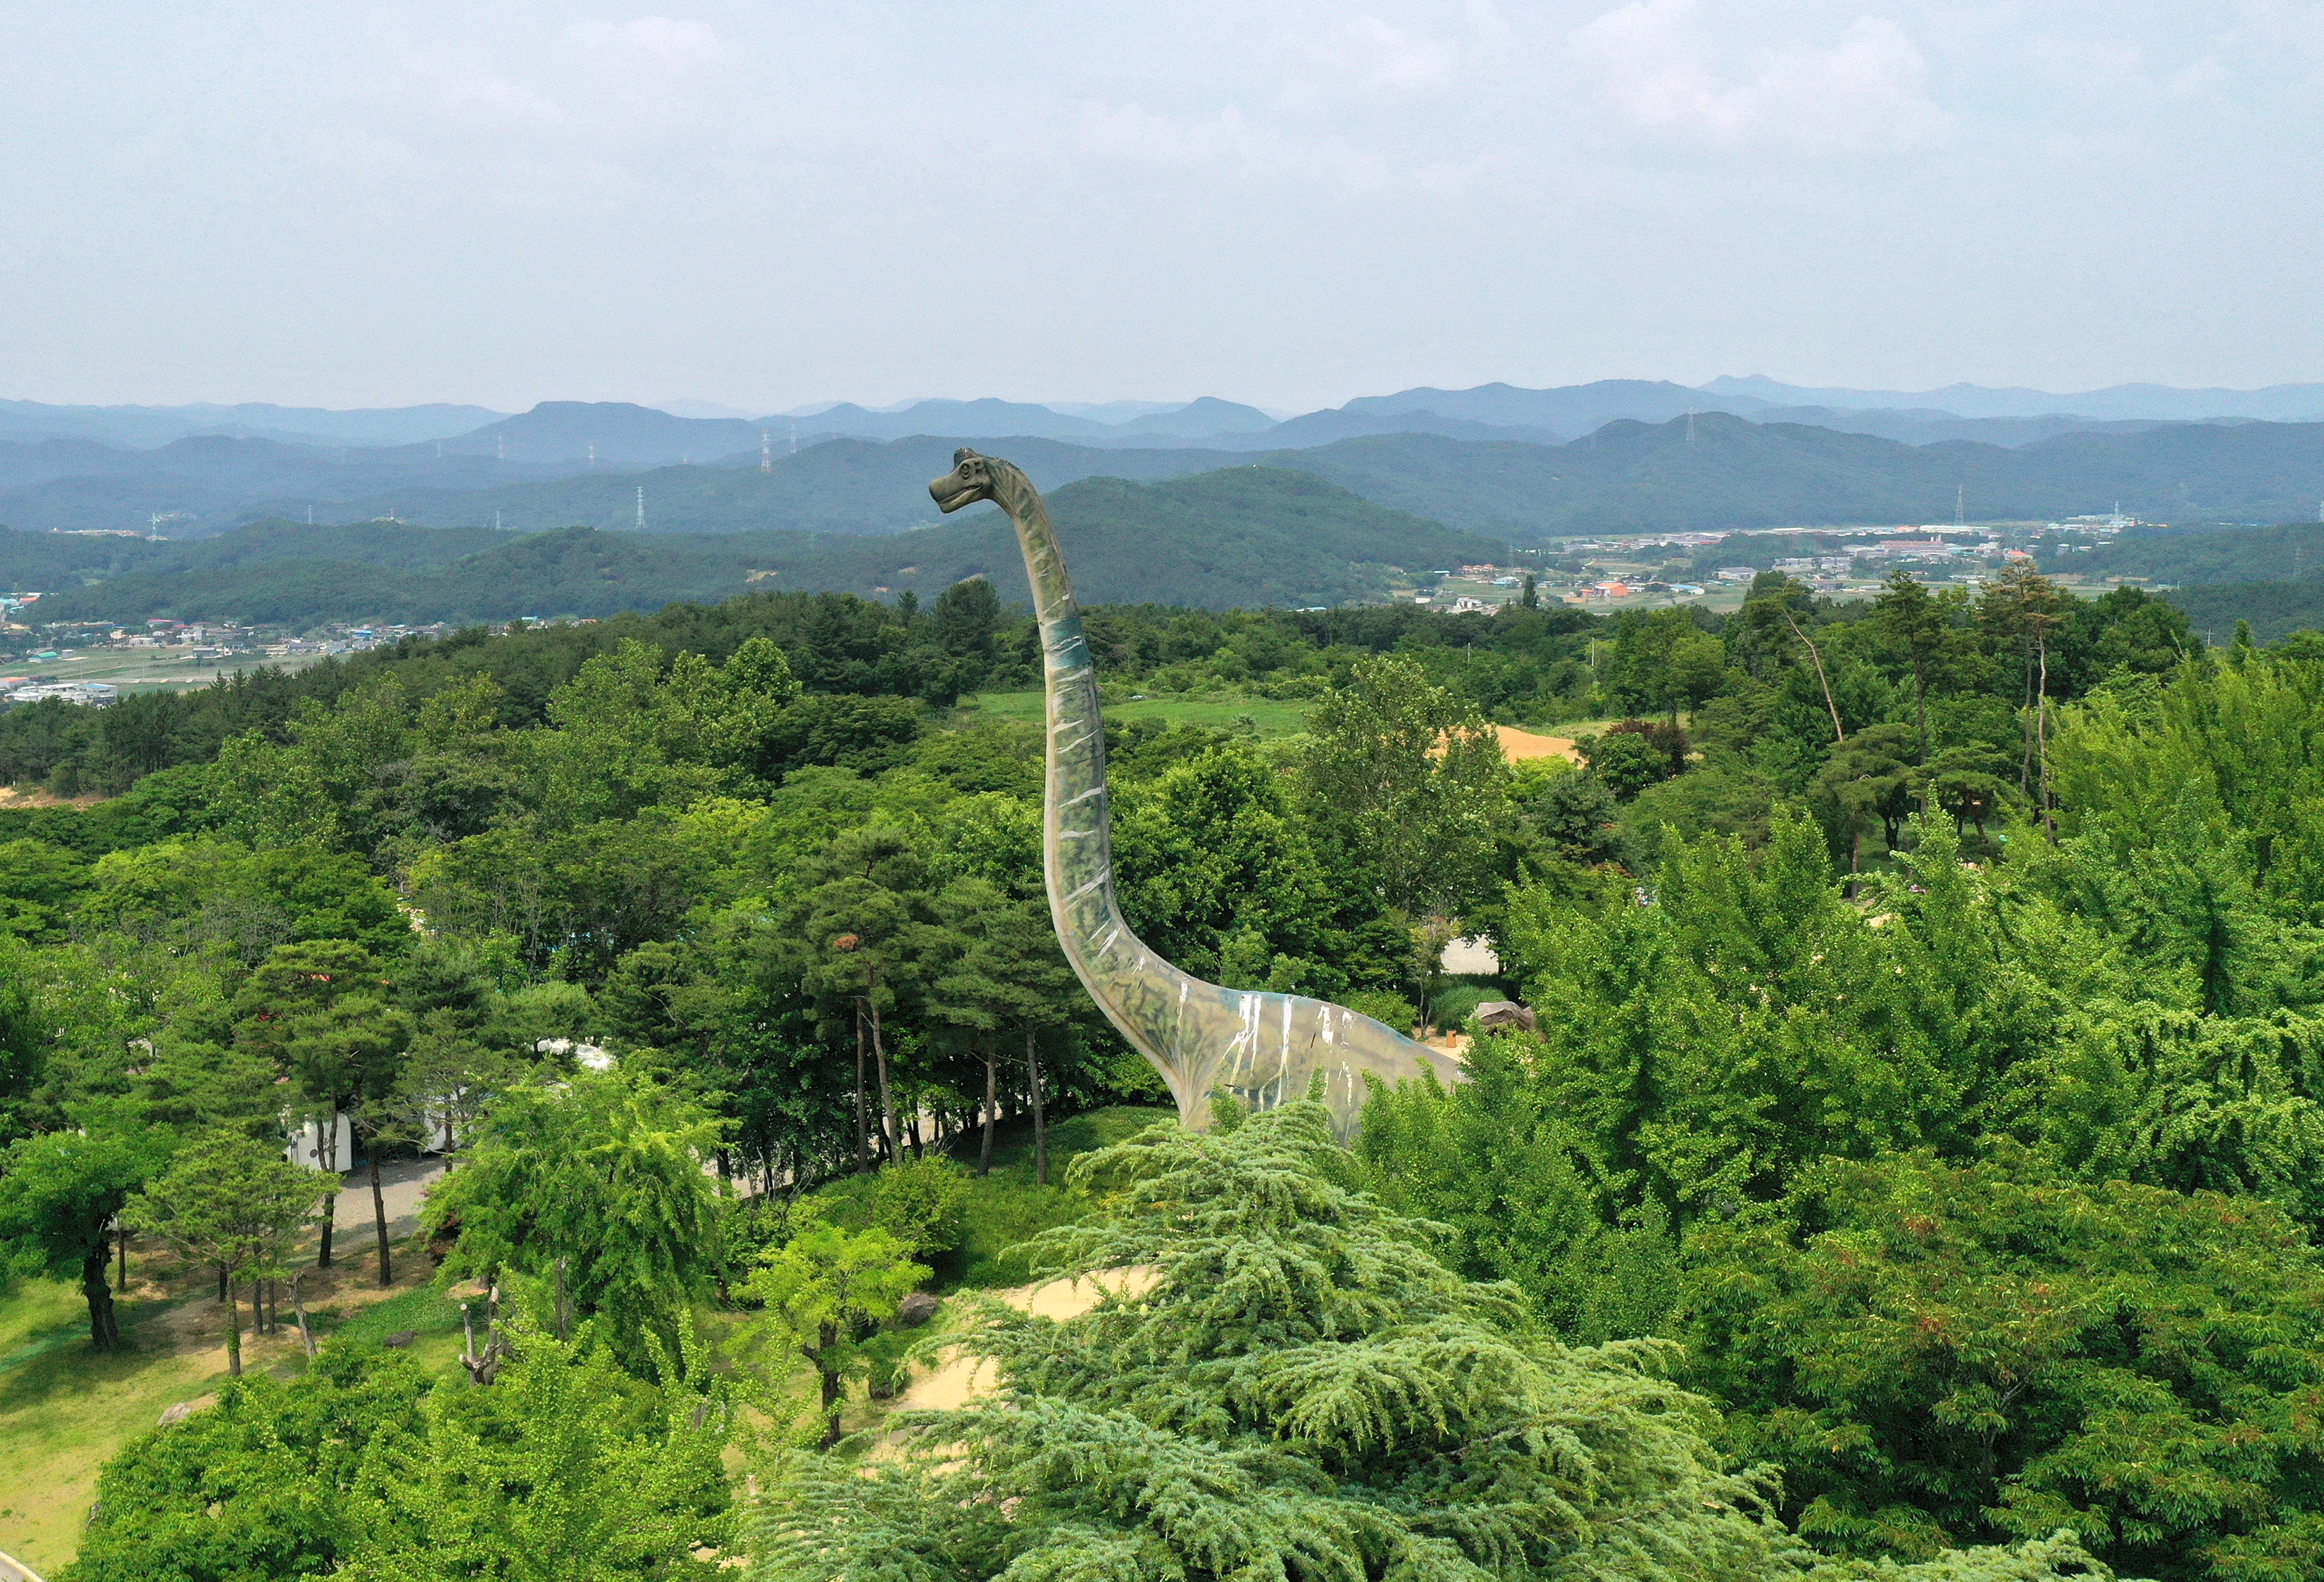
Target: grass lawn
{"type": "Point", "coordinates": [65, 1411]}
{"type": "Point", "coordinates": [1007, 1208]}
{"type": "Point", "coordinates": [1219, 712]}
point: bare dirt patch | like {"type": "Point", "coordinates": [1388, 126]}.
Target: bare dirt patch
{"type": "Point", "coordinates": [29, 797]}
{"type": "Point", "coordinates": [956, 1380]}
{"type": "Point", "coordinates": [1518, 745]}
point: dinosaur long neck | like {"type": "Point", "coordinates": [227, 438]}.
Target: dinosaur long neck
{"type": "Point", "coordinates": [1126, 980]}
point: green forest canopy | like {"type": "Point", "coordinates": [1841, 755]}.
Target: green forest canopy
{"type": "Point", "coordinates": [1247, 535]}
{"type": "Point", "coordinates": [1917, 1151]}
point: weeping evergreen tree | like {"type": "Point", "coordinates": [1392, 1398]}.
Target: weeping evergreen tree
{"type": "Point", "coordinates": [1302, 1391]}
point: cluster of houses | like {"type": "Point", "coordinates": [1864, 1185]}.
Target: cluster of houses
{"type": "Point", "coordinates": [24, 689]}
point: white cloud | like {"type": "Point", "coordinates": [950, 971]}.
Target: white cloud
{"type": "Point", "coordinates": [1133, 133]}
{"type": "Point", "coordinates": [654, 67]}
{"type": "Point", "coordinates": [466, 89]}
{"type": "Point", "coordinates": [1229, 138]}
{"type": "Point", "coordinates": [1377, 56]}
{"type": "Point", "coordinates": [646, 72]}
{"type": "Point", "coordinates": [1658, 67]}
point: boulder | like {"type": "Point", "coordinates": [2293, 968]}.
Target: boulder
{"type": "Point", "coordinates": [1505, 1013]}
{"type": "Point", "coordinates": [917, 1309]}
{"type": "Point", "coordinates": [179, 1413]}
{"type": "Point", "coordinates": [400, 1339]}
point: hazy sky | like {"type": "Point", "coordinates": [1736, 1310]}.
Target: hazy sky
{"type": "Point", "coordinates": [1273, 201]}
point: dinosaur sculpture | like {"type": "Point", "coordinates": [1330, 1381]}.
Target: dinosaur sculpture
{"type": "Point", "coordinates": [1262, 1048]}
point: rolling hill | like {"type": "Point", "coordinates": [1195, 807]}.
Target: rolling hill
{"type": "Point", "coordinates": [1244, 536]}
{"type": "Point", "coordinates": [1709, 473]}
{"type": "Point", "coordinates": [836, 486]}
{"type": "Point", "coordinates": [2274, 609]}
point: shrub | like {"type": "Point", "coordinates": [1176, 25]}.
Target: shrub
{"type": "Point", "coordinates": [921, 1200]}
{"type": "Point", "coordinates": [1383, 1005]}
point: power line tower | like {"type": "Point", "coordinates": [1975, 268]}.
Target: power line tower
{"type": "Point", "coordinates": [641, 507]}
{"type": "Point", "coordinates": [766, 451]}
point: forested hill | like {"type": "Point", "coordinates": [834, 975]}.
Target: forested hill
{"type": "Point", "coordinates": [2235, 554]}
{"type": "Point", "coordinates": [838, 486]}
{"type": "Point", "coordinates": [1715, 472]}
{"type": "Point", "coordinates": [1246, 536]}
{"type": "Point", "coordinates": [1709, 473]}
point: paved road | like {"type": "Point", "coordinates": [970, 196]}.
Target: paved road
{"type": "Point", "coordinates": [401, 1184]}
{"type": "Point", "coordinates": [16, 1571]}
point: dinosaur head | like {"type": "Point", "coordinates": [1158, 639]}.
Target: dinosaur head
{"type": "Point", "coordinates": [970, 481]}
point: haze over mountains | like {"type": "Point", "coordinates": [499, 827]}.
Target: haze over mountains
{"type": "Point", "coordinates": [1609, 456]}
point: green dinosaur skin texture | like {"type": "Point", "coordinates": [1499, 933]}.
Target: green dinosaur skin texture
{"type": "Point", "coordinates": [1263, 1049]}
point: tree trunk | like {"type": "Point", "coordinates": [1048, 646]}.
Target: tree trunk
{"type": "Point", "coordinates": [298, 1306]}
{"type": "Point", "coordinates": [221, 1295]}
{"type": "Point", "coordinates": [830, 1381]}
{"type": "Point", "coordinates": [104, 1331]}
{"type": "Point", "coordinates": [379, 1214]}
{"type": "Point", "coordinates": [233, 1328]}
{"type": "Point", "coordinates": [2042, 740]}
{"type": "Point", "coordinates": [888, 1133]}
{"type": "Point", "coordinates": [1837, 729]}
{"type": "Point", "coordinates": [2025, 762]}
{"type": "Point", "coordinates": [327, 1154]}
{"type": "Point", "coordinates": [121, 1234]}
{"type": "Point", "coordinates": [1920, 701]}
{"type": "Point", "coordinates": [992, 1086]}
{"type": "Point", "coordinates": [1040, 1128]}
{"type": "Point", "coordinates": [862, 1121]}
{"type": "Point", "coordinates": [912, 1129]}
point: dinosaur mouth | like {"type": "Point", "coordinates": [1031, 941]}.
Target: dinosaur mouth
{"type": "Point", "coordinates": [951, 493]}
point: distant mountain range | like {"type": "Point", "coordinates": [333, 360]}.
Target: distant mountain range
{"type": "Point", "coordinates": [1706, 472]}
{"type": "Point", "coordinates": [1243, 535]}
{"type": "Point", "coordinates": [193, 470]}
{"type": "Point", "coordinates": [139, 428]}
{"type": "Point", "coordinates": [2275, 403]}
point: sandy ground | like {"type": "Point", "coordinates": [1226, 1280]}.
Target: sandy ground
{"type": "Point", "coordinates": [1517, 745]}
{"type": "Point", "coordinates": [18, 796]}
{"type": "Point", "coordinates": [958, 1379]}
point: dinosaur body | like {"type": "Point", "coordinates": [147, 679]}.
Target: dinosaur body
{"type": "Point", "coordinates": [1262, 1048]}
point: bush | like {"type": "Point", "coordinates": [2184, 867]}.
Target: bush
{"type": "Point", "coordinates": [1626, 762]}
{"type": "Point", "coordinates": [1383, 1005]}
{"type": "Point", "coordinates": [921, 1201]}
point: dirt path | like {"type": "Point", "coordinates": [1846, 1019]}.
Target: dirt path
{"type": "Point", "coordinates": [957, 1380]}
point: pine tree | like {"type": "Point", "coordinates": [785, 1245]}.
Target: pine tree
{"type": "Point", "coordinates": [1302, 1391]}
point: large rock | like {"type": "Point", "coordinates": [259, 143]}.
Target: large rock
{"type": "Point", "coordinates": [917, 1309]}
{"type": "Point", "coordinates": [1505, 1013]}
{"type": "Point", "coordinates": [179, 1413]}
